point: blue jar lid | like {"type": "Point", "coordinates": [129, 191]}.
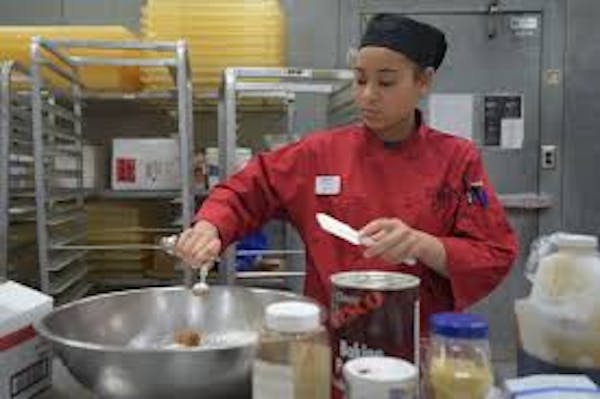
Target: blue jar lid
{"type": "Point", "coordinates": [459, 325]}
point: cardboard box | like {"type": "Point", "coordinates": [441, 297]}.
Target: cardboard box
{"type": "Point", "coordinates": [129, 215]}
{"type": "Point", "coordinates": [94, 168]}
{"type": "Point", "coordinates": [123, 222]}
{"type": "Point", "coordinates": [271, 264]}
{"type": "Point", "coordinates": [26, 360]}
{"type": "Point", "coordinates": [145, 164]}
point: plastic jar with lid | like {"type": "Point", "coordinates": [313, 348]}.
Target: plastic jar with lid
{"type": "Point", "coordinates": [570, 273]}
{"type": "Point", "coordinates": [458, 359]}
{"type": "Point", "coordinates": [559, 322]}
{"type": "Point", "coordinates": [294, 357]}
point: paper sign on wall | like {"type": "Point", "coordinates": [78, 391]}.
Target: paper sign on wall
{"type": "Point", "coordinates": [503, 122]}
{"type": "Point", "coordinates": [452, 113]}
{"type": "Point", "coordinates": [512, 133]}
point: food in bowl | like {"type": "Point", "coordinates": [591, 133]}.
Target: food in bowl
{"type": "Point", "coordinates": [188, 338]}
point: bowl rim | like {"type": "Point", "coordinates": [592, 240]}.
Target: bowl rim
{"type": "Point", "coordinates": [42, 329]}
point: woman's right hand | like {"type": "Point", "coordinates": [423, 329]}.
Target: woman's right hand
{"type": "Point", "coordinates": [199, 244]}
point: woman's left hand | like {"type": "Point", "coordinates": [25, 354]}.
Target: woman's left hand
{"type": "Point", "coordinates": [394, 241]}
{"type": "Point", "coordinates": [390, 239]}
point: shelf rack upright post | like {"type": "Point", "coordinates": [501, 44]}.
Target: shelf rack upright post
{"type": "Point", "coordinates": [265, 83]}
{"type": "Point", "coordinates": [16, 162]}
{"type": "Point", "coordinates": [57, 129]}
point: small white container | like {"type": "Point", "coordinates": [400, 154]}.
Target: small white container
{"type": "Point", "coordinates": [551, 386]}
{"type": "Point", "coordinates": [380, 378]}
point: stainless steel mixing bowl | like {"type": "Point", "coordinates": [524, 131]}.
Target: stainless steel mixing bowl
{"type": "Point", "coordinates": [119, 345]}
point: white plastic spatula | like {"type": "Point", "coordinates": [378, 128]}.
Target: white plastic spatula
{"type": "Point", "coordinates": [338, 229]}
{"type": "Point", "coordinates": [345, 232]}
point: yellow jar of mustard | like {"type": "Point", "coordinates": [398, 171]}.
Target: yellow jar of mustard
{"type": "Point", "coordinates": [458, 360]}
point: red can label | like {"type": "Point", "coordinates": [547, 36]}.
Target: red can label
{"type": "Point", "coordinates": [370, 321]}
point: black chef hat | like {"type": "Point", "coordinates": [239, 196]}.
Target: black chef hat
{"type": "Point", "coordinates": [422, 43]}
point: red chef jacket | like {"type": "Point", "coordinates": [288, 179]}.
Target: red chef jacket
{"type": "Point", "coordinates": [427, 180]}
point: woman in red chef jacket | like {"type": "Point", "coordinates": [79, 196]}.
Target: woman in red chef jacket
{"type": "Point", "coordinates": [413, 192]}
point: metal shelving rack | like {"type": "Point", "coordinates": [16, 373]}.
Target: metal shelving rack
{"type": "Point", "coordinates": [281, 84]}
{"type": "Point", "coordinates": [341, 109]}
{"type": "Point", "coordinates": [17, 202]}
{"type": "Point", "coordinates": [57, 129]}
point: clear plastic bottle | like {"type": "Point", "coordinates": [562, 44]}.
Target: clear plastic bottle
{"type": "Point", "coordinates": [560, 320]}
{"type": "Point", "coordinates": [458, 361]}
{"type": "Point", "coordinates": [570, 273]}
{"type": "Point", "coordinates": [294, 357]}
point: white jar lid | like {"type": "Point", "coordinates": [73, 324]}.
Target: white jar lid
{"type": "Point", "coordinates": [379, 370]}
{"type": "Point", "coordinates": [566, 240]}
{"type": "Point", "coordinates": [292, 317]}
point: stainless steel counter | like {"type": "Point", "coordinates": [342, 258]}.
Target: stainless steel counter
{"type": "Point", "coordinates": [64, 385]}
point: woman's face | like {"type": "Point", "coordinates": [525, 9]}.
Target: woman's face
{"type": "Point", "coordinates": [387, 89]}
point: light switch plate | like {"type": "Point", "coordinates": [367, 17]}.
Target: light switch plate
{"type": "Point", "coordinates": [548, 157]}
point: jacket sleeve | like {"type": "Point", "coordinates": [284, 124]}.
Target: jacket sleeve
{"type": "Point", "coordinates": [482, 246]}
{"type": "Point", "coordinates": [250, 197]}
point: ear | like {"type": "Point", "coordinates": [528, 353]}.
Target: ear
{"type": "Point", "coordinates": [426, 80]}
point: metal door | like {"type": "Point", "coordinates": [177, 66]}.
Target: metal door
{"type": "Point", "coordinates": [492, 50]}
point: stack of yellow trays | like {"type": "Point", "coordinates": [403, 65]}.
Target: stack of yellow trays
{"type": "Point", "coordinates": [15, 45]}
{"type": "Point", "coordinates": [219, 34]}
{"type": "Point", "coordinates": [117, 222]}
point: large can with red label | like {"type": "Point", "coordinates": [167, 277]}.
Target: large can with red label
{"type": "Point", "coordinates": [373, 314]}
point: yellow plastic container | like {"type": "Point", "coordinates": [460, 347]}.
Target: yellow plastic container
{"type": "Point", "coordinates": [219, 34]}
{"type": "Point", "coordinates": [15, 45]}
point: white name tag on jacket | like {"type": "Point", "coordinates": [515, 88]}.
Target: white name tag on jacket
{"type": "Point", "coordinates": [328, 185]}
